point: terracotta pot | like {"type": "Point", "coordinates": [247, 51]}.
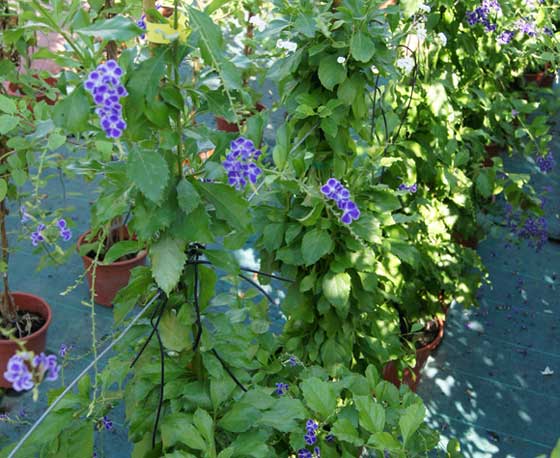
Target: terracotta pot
{"type": "Point", "coordinates": [36, 342]}
{"type": "Point", "coordinates": [541, 79]}
{"type": "Point", "coordinates": [391, 373]}
{"type": "Point", "coordinates": [225, 126]}
{"type": "Point", "coordinates": [109, 279]}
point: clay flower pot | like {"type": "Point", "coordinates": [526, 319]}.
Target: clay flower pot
{"type": "Point", "coordinates": [542, 79]}
{"type": "Point", "coordinates": [35, 342]}
{"type": "Point", "coordinates": [225, 126]}
{"type": "Point", "coordinates": [109, 279]}
{"type": "Point", "coordinates": [391, 373]}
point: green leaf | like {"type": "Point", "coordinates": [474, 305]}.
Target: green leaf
{"type": "Point", "coordinates": [118, 28]}
{"type": "Point", "coordinates": [556, 452]}
{"type": "Point", "coordinates": [320, 396]}
{"type": "Point", "coordinates": [3, 188]}
{"type": "Point", "coordinates": [7, 123]}
{"type": "Point", "coordinates": [176, 428]}
{"type": "Point", "coordinates": [168, 259]}
{"type": "Point", "coordinates": [410, 7]}
{"type": "Point", "coordinates": [411, 420]}
{"type": "Point", "coordinates": [362, 47]}
{"type": "Point", "coordinates": [172, 95]}
{"type": "Point", "coordinates": [7, 105]}
{"type": "Point", "coordinates": [56, 141]}
{"type": "Point", "coordinates": [204, 423]}
{"type": "Point", "coordinates": [120, 249]}
{"type": "Point", "coordinates": [175, 329]}
{"type": "Point", "coordinates": [316, 244]}
{"type": "Point", "coordinates": [240, 418]}
{"type": "Point", "coordinates": [371, 414]}
{"type": "Point", "coordinates": [149, 171]}
{"type": "Point", "coordinates": [344, 430]}
{"type": "Point", "coordinates": [485, 183]}
{"type": "Point", "coordinates": [229, 205]}
{"type": "Point", "coordinates": [331, 72]}
{"type": "Point", "coordinates": [144, 83]}
{"type": "Point", "coordinates": [187, 196]}
{"type": "Point", "coordinates": [72, 113]}
{"type": "Point", "coordinates": [284, 415]}
{"type": "Point", "coordinates": [384, 441]}
{"type": "Point", "coordinates": [336, 288]}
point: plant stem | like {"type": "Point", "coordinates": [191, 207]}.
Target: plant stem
{"type": "Point", "coordinates": [7, 305]}
{"type": "Point", "coordinates": [111, 48]}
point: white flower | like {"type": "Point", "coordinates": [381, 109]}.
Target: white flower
{"type": "Point", "coordinates": [406, 64]}
{"type": "Point", "coordinates": [258, 23]}
{"type": "Point", "coordinates": [374, 70]}
{"type": "Point", "coordinates": [442, 38]}
{"type": "Point", "coordinates": [341, 59]}
{"type": "Point", "coordinates": [425, 8]}
{"type": "Point", "coordinates": [288, 45]}
{"type": "Point", "coordinates": [547, 371]}
{"type": "Point", "coordinates": [421, 32]}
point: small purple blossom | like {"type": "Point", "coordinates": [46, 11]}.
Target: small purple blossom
{"type": "Point", "coordinates": [329, 437]}
{"type": "Point", "coordinates": [18, 373]}
{"type": "Point", "coordinates": [240, 163]}
{"type": "Point", "coordinates": [481, 14]}
{"type": "Point", "coordinates": [310, 438]}
{"type": "Point", "coordinates": [304, 453]}
{"type": "Point", "coordinates": [412, 188]}
{"type": "Point", "coordinates": [546, 163]}
{"type": "Point", "coordinates": [292, 361]}
{"type": "Point", "coordinates": [63, 350]}
{"type": "Point", "coordinates": [514, 112]}
{"type": "Point", "coordinates": [317, 452]}
{"type": "Point", "coordinates": [527, 27]}
{"type": "Point", "coordinates": [107, 423]}
{"type": "Point", "coordinates": [281, 388]}
{"type": "Point", "coordinates": [46, 367]}
{"type": "Point", "coordinates": [37, 236]}
{"type": "Point", "coordinates": [333, 189]}
{"type": "Point", "coordinates": [25, 217]}
{"type": "Point", "coordinates": [65, 232]}
{"type": "Point", "coordinates": [505, 37]}
{"type": "Point", "coordinates": [311, 425]}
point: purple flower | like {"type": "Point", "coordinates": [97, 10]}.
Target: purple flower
{"type": "Point", "coordinates": [18, 374]}
{"type": "Point", "coordinates": [292, 361]}
{"type": "Point", "coordinates": [310, 438]}
{"type": "Point", "coordinates": [240, 163]}
{"type": "Point", "coordinates": [304, 453]}
{"type": "Point", "coordinates": [333, 189]}
{"type": "Point", "coordinates": [106, 89]}
{"type": "Point", "coordinates": [281, 388]}
{"type": "Point", "coordinates": [311, 425]}
{"type": "Point", "coordinates": [481, 14]}
{"type": "Point", "coordinates": [329, 437]}
{"type": "Point", "coordinates": [107, 423]}
{"type": "Point", "coordinates": [25, 217]}
{"type": "Point", "coordinates": [546, 163]}
{"type": "Point", "coordinates": [317, 452]}
{"type": "Point", "coordinates": [505, 37]}
{"type": "Point", "coordinates": [46, 365]}
{"type": "Point", "coordinates": [63, 350]}
{"type": "Point", "coordinates": [526, 27]}
{"type": "Point", "coordinates": [37, 236]}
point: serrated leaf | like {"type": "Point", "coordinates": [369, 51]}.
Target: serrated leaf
{"type": "Point", "coordinates": [240, 417]}
{"type": "Point", "coordinates": [72, 113]}
{"type": "Point", "coordinates": [176, 428]}
{"type": "Point", "coordinates": [168, 260]}
{"type": "Point", "coordinates": [187, 196]}
{"type": "Point", "coordinates": [229, 205]}
{"type": "Point", "coordinates": [371, 414]}
{"type": "Point", "coordinates": [149, 171]}
{"type": "Point", "coordinates": [320, 396]}
{"type": "Point", "coordinates": [315, 244]}
{"type": "Point", "coordinates": [344, 430]}
{"type": "Point", "coordinates": [411, 420]}
{"type": "Point", "coordinates": [118, 27]}
{"type": "Point", "coordinates": [56, 141]}
{"type": "Point", "coordinates": [175, 334]}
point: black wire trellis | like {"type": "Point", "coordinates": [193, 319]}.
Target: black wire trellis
{"type": "Point", "coordinates": [194, 253]}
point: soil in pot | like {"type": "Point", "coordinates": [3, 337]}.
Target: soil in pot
{"type": "Point", "coordinates": [426, 342]}
{"type": "Point", "coordinates": [34, 318]}
{"type": "Point", "coordinates": [225, 126]}
{"type": "Point", "coordinates": [109, 279]}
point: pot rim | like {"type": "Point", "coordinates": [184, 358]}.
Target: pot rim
{"type": "Point", "coordinates": [43, 329]}
{"type": "Point", "coordinates": [140, 255]}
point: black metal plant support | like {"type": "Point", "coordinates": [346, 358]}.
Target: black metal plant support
{"type": "Point", "coordinates": [194, 253]}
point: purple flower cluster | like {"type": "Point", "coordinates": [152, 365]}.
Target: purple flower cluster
{"type": "Point", "coordinates": [281, 388]}
{"type": "Point", "coordinates": [18, 371]}
{"type": "Point", "coordinates": [105, 86]}
{"type": "Point", "coordinates": [334, 190]}
{"type": "Point", "coordinates": [240, 163]}
{"type": "Point", "coordinates": [505, 37]}
{"type": "Point", "coordinates": [546, 163]}
{"type": "Point", "coordinates": [532, 229]}
{"type": "Point", "coordinates": [412, 188]}
{"type": "Point", "coordinates": [310, 437]}
{"type": "Point", "coordinates": [64, 232]}
{"type": "Point", "coordinates": [481, 14]}
{"type": "Point", "coordinates": [527, 27]}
